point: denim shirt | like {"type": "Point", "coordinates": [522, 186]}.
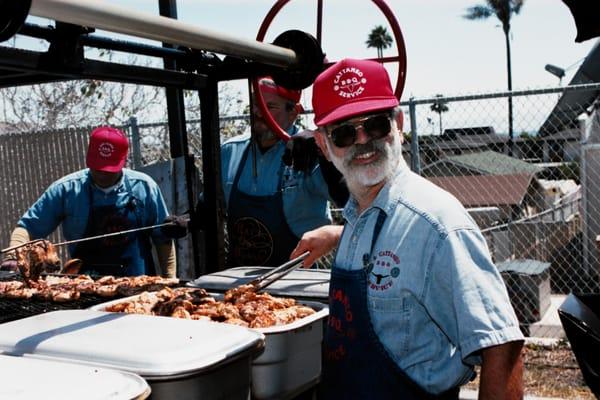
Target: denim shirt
{"type": "Point", "coordinates": [305, 196]}
{"type": "Point", "coordinates": [66, 202]}
{"type": "Point", "coordinates": [435, 298]}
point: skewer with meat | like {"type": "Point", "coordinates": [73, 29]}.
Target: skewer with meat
{"type": "Point", "coordinates": [35, 258]}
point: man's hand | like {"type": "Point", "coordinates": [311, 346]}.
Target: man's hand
{"type": "Point", "coordinates": [178, 228]}
{"type": "Point", "coordinates": [318, 242]}
{"type": "Point", "coordinates": [301, 152]}
{"type": "Point", "coordinates": [9, 265]}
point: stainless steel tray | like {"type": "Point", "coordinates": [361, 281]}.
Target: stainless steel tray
{"type": "Point", "coordinates": [170, 353]}
{"type": "Point", "coordinates": [302, 284]}
{"type": "Point", "coordinates": [291, 360]}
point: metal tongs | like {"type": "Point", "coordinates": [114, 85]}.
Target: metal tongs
{"type": "Point", "coordinates": [278, 272]}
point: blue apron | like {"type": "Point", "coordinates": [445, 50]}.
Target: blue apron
{"type": "Point", "coordinates": [258, 231]}
{"type": "Point", "coordinates": [356, 365]}
{"type": "Point", "coordinates": [107, 256]}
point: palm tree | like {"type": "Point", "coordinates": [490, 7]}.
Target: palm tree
{"type": "Point", "coordinates": [439, 106]}
{"type": "Point", "coordinates": [503, 10]}
{"type": "Point", "coordinates": [380, 39]}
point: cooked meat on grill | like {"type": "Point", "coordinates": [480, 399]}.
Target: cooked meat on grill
{"type": "Point", "coordinates": [35, 258]}
{"type": "Point", "coordinates": [64, 288]}
{"type": "Point", "coordinates": [10, 285]}
{"type": "Point", "coordinates": [20, 293]}
{"type": "Point", "coordinates": [243, 307]}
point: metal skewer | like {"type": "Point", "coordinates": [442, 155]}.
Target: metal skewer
{"type": "Point", "coordinates": [91, 237]}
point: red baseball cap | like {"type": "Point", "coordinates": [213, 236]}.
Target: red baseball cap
{"type": "Point", "coordinates": [351, 87]}
{"type": "Point", "coordinates": [107, 150]}
{"type": "Point", "coordinates": [267, 84]}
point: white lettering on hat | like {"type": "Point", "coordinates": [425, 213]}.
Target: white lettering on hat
{"type": "Point", "coordinates": [349, 82]}
{"type": "Point", "coordinates": [106, 149]}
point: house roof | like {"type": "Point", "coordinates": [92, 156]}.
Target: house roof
{"type": "Point", "coordinates": [567, 134]}
{"type": "Point", "coordinates": [572, 103]}
{"type": "Point", "coordinates": [523, 266]}
{"type": "Point", "coordinates": [489, 163]}
{"type": "Point", "coordinates": [486, 190]}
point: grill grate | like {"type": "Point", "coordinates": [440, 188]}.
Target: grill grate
{"type": "Point", "coordinates": [13, 309]}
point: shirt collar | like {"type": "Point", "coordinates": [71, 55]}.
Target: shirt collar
{"type": "Point", "coordinates": [386, 200]}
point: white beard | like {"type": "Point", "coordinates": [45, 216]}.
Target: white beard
{"type": "Point", "coordinates": [360, 176]}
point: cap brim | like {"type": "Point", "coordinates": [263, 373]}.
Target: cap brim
{"type": "Point", "coordinates": [352, 109]}
{"type": "Point", "coordinates": [98, 166]}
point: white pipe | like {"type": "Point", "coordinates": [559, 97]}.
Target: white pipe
{"type": "Point", "coordinates": [97, 14]}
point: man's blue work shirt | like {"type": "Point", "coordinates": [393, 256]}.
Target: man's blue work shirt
{"type": "Point", "coordinates": [67, 202]}
{"type": "Point", "coordinates": [305, 196]}
{"type": "Point", "coordinates": [435, 297]}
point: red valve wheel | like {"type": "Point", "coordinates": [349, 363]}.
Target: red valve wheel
{"type": "Point", "coordinates": [400, 58]}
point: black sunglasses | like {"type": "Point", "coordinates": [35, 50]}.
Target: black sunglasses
{"type": "Point", "coordinates": [375, 126]}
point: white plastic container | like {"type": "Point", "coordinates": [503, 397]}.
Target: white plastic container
{"type": "Point", "coordinates": [291, 361]}
{"type": "Point", "coordinates": [28, 378]}
{"type": "Point", "coordinates": [180, 359]}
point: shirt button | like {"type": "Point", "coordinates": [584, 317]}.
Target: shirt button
{"type": "Point", "coordinates": [354, 238]}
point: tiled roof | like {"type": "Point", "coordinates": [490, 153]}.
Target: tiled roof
{"type": "Point", "coordinates": [493, 163]}
{"type": "Point", "coordinates": [485, 190]}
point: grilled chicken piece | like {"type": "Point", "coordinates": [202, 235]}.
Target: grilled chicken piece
{"type": "Point", "coordinates": [35, 258]}
{"type": "Point", "coordinates": [233, 295]}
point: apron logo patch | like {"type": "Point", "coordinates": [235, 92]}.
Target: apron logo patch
{"type": "Point", "coordinates": [382, 270]}
{"type": "Point", "coordinates": [253, 244]}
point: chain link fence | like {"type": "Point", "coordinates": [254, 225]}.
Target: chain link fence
{"type": "Point", "coordinates": [534, 193]}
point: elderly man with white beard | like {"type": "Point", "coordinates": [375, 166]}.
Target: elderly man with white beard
{"type": "Point", "coordinates": [415, 301]}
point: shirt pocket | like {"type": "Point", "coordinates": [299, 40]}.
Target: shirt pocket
{"type": "Point", "coordinates": [390, 317]}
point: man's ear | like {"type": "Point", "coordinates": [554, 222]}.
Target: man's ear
{"type": "Point", "coordinates": [292, 116]}
{"type": "Point", "coordinates": [320, 140]}
{"type": "Point", "coordinates": [400, 120]}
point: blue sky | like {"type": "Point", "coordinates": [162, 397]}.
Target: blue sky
{"type": "Point", "coordinates": [445, 52]}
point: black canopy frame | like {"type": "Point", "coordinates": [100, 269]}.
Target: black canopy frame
{"type": "Point", "coordinates": [183, 69]}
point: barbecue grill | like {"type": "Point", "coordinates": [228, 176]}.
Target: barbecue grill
{"type": "Point", "coordinates": [14, 309]}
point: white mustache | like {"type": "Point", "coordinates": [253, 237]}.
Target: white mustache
{"type": "Point", "coordinates": [360, 149]}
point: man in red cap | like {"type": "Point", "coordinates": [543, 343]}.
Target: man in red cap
{"type": "Point", "coordinates": [101, 199]}
{"type": "Point", "coordinates": [270, 204]}
{"type": "Point", "coordinates": [413, 289]}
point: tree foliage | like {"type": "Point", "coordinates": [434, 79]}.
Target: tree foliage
{"type": "Point", "coordinates": [503, 10]}
{"type": "Point", "coordinates": [73, 103]}
{"type": "Point", "coordinates": [439, 106]}
{"type": "Point", "coordinates": [380, 39]}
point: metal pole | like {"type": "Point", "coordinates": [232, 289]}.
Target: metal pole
{"type": "Point", "coordinates": [213, 205]}
{"type": "Point", "coordinates": [414, 137]}
{"type": "Point", "coordinates": [178, 138]}
{"type": "Point", "coordinates": [135, 143]}
{"type": "Point", "coordinates": [99, 14]}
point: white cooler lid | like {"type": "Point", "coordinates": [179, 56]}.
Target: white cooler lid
{"type": "Point", "coordinates": [146, 345]}
{"type": "Point", "coordinates": [310, 284]}
{"type": "Point", "coordinates": [27, 378]}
